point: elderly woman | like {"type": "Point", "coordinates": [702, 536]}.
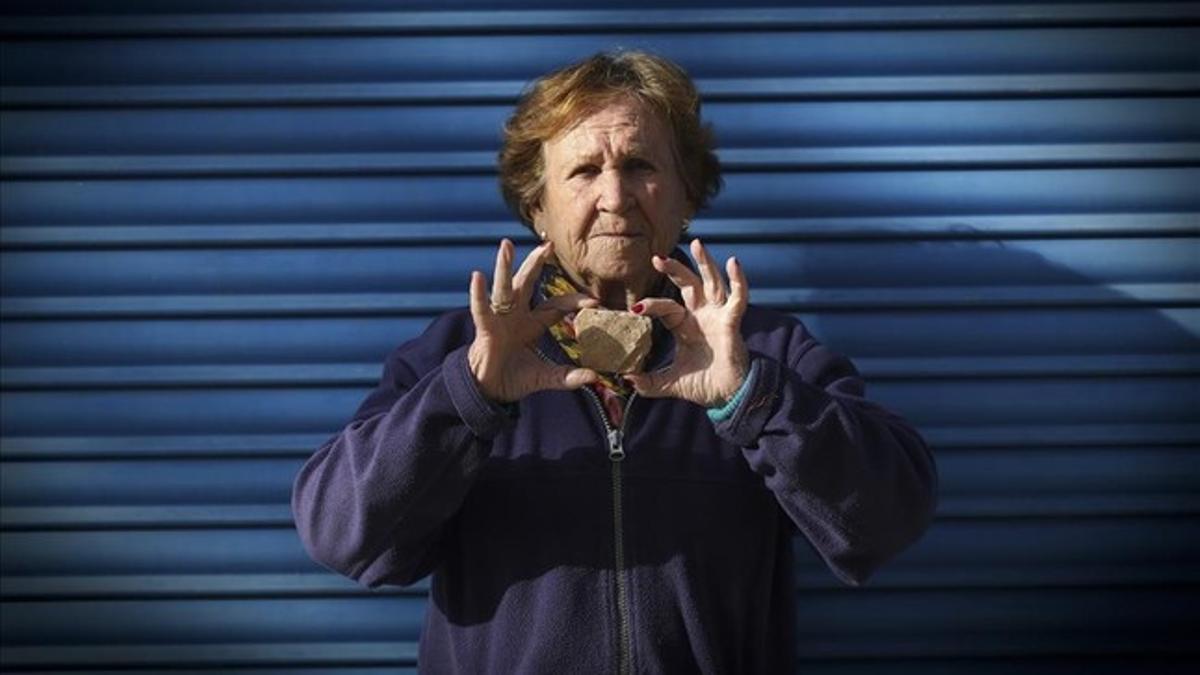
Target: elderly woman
{"type": "Point", "coordinates": [594, 522]}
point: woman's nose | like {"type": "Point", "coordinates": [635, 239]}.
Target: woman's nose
{"type": "Point", "coordinates": [615, 195]}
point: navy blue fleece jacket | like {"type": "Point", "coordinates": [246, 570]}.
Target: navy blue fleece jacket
{"type": "Point", "coordinates": [549, 556]}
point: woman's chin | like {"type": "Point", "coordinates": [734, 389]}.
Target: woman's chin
{"type": "Point", "coordinates": [625, 269]}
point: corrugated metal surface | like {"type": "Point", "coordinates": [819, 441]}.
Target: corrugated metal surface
{"type": "Point", "coordinates": [217, 220]}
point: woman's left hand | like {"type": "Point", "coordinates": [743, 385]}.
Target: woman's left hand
{"type": "Point", "coordinates": [710, 357]}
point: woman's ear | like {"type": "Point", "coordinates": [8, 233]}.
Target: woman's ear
{"type": "Point", "coordinates": [535, 223]}
{"type": "Point", "coordinates": [534, 213]}
{"type": "Point", "coordinates": [686, 223]}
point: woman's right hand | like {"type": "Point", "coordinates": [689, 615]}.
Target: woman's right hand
{"type": "Point", "coordinates": [502, 357]}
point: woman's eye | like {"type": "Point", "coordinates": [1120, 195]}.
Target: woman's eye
{"type": "Point", "coordinates": [638, 164]}
{"type": "Point", "coordinates": [585, 170]}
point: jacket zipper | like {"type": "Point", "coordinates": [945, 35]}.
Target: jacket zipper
{"type": "Point", "coordinates": [616, 453]}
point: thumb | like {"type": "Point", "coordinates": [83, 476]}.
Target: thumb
{"type": "Point", "coordinates": [651, 385]}
{"type": "Point", "coordinates": [567, 377]}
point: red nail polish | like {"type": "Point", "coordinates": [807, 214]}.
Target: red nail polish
{"type": "Point", "coordinates": [637, 308]}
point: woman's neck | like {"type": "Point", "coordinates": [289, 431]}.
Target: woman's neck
{"type": "Point", "coordinates": [615, 295]}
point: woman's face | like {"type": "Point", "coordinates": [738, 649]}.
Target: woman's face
{"type": "Point", "coordinates": [613, 198]}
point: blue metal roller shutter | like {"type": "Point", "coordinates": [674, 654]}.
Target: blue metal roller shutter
{"type": "Point", "coordinates": [218, 219]}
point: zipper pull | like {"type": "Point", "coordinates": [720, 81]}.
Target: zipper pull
{"type": "Point", "coordinates": [616, 451]}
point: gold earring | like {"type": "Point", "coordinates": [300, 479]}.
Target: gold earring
{"type": "Point", "coordinates": [542, 234]}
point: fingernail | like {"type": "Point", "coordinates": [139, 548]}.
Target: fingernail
{"type": "Point", "coordinates": [637, 308]}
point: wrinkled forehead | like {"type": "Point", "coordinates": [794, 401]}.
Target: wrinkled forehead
{"type": "Point", "coordinates": [624, 126]}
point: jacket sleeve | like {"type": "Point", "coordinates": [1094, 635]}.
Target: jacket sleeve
{"type": "Point", "coordinates": [371, 503]}
{"type": "Point", "coordinates": [857, 480]}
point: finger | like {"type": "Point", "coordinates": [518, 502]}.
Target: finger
{"type": "Point", "coordinates": [502, 292]}
{"type": "Point", "coordinates": [714, 286]}
{"type": "Point", "coordinates": [739, 296]}
{"type": "Point", "coordinates": [478, 294]}
{"type": "Point", "coordinates": [528, 273]}
{"type": "Point", "coordinates": [670, 313]}
{"type": "Point", "coordinates": [554, 309]}
{"type": "Point", "coordinates": [686, 280]}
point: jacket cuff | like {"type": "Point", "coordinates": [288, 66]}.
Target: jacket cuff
{"type": "Point", "coordinates": [762, 400]}
{"type": "Point", "coordinates": [482, 416]}
{"type": "Point", "coordinates": [722, 413]}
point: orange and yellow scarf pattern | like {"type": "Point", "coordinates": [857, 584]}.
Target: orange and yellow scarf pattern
{"type": "Point", "coordinates": [613, 391]}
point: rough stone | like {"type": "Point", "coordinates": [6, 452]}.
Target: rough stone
{"type": "Point", "coordinates": [612, 341]}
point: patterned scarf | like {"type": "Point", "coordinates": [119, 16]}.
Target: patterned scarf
{"type": "Point", "coordinates": [611, 389]}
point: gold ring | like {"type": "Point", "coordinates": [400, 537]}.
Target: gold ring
{"type": "Point", "coordinates": [502, 307]}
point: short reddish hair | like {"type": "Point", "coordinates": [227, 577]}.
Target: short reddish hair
{"type": "Point", "coordinates": [558, 101]}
